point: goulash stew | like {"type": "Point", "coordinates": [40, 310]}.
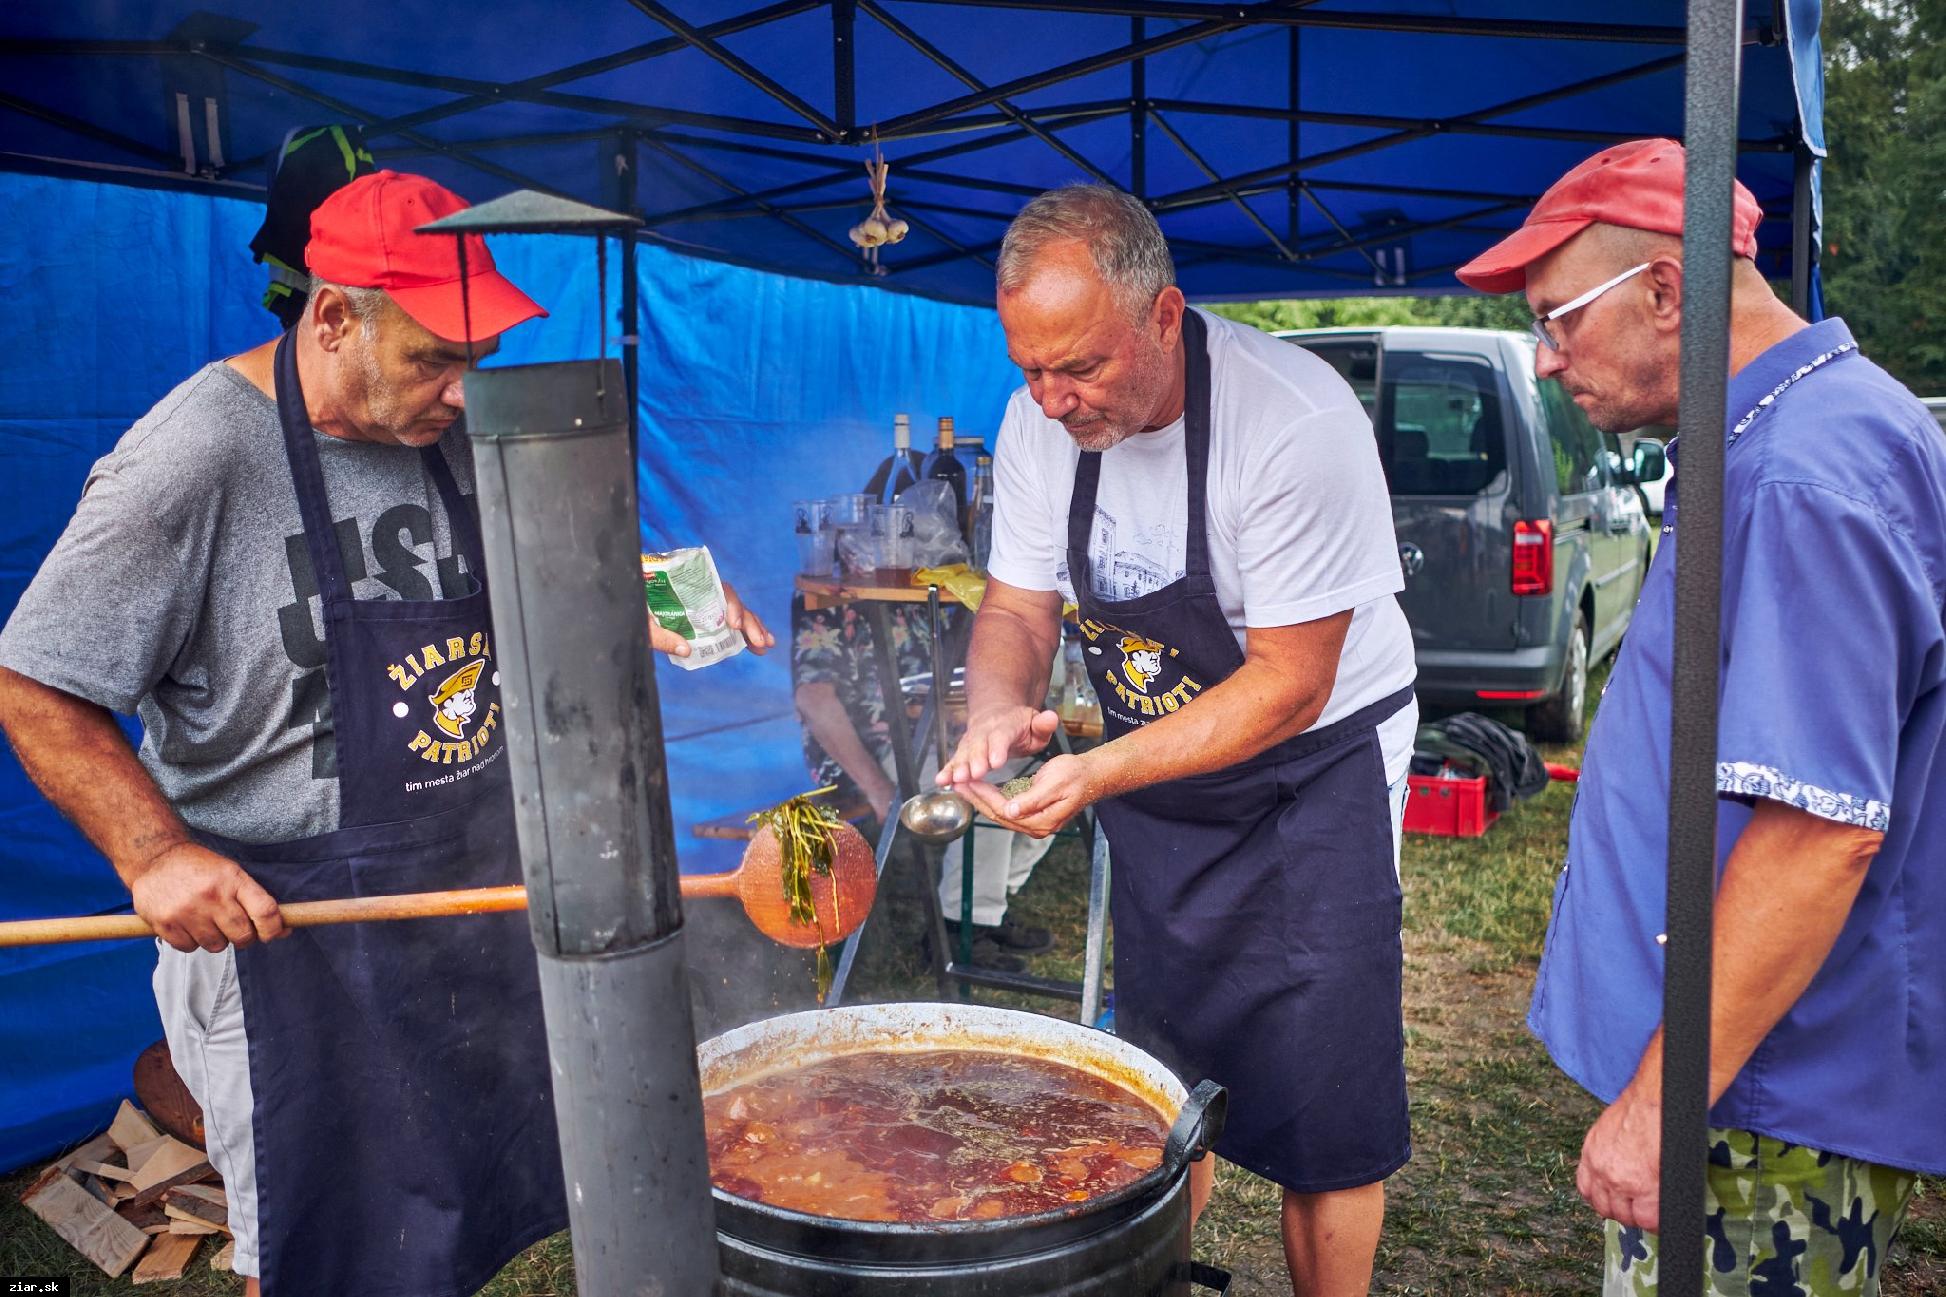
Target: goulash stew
{"type": "Point", "coordinates": [939, 1135]}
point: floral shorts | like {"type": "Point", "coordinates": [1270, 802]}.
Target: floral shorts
{"type": "Point", "coordinates": [1784, 1221]}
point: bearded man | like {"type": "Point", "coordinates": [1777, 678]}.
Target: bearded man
{"type": "Point", "coordinates": [1212, 500]}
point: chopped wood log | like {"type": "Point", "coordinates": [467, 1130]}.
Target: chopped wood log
{"type": "Point", "coordinates": [105, 1170]}
{"type": "Point", "coordinates": [130, 1127]}
{"type": "Point", "coordinates": [167, 1167]}
{"type": "Point", "coordinates": [144, 1216]}
{"type": "Point", "coordinates": [166, 1258]}
{"type": "Point", "coordinates": [165, 1100]}
{"type": "Point", "coordinates": [198, 1202]}
{"type": "Point", "coordinates": [88, 1226]}
{"type": "Point", "coordinates": [162, 1228]}
{"type": "Point", "coordinates": [179, 1224]}
{"type": "Point", "coordinates": [139, 1155]}
{"type": "Point", "coordinates": [98, 1149]}
{"type": "Point", "coordinates": [224, 1258]}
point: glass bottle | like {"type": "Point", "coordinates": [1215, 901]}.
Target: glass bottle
{"type": "Point", "coordinates": [898, 470]}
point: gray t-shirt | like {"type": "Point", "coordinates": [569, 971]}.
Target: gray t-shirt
{"type": "Point", "coordinates": [182, 590]}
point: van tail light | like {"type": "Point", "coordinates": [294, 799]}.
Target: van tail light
{"type": "Point", "coordinates": [1534, 557]}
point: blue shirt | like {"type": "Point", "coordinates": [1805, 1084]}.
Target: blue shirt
{"type": "Point", "coordinates": [1834, 656]}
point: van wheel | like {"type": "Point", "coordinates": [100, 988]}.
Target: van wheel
{"type": "Point", "coordinates": [1558, 719]}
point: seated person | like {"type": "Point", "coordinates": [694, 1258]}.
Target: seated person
{"type": "Point", "coordinates": [848, 743]}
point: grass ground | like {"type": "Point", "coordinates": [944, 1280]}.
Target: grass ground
{"type": "Point", "coordinates": [1487, 1205]}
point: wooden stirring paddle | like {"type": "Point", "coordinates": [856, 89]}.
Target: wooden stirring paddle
{"type": "Point", "coordinates": [843, 899]}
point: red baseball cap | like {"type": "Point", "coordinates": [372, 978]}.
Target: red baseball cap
{"type": "Point", "coordinates": [1637, 185]}
{"type": "Point", "coordinates": [365, 236]}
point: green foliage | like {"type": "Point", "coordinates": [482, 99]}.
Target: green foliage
{"type": "Point", "coordinates": [1884, 254]}
{"type": "Point", "coordinates": [1470, 311]}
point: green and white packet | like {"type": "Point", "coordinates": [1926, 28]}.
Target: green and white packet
{"type": "Point", "coordinates": [685, 595]}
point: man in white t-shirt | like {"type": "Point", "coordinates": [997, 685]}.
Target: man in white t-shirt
{"type": "Point", "coordinates": [1212, 500]}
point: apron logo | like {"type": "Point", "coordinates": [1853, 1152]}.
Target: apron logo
{"type": "Point", "coordinates": [1141, 661]}
{"type": "Point", "coordinates": [455, 701]}
{"type": "Point", "coordinates": [1133, 681]}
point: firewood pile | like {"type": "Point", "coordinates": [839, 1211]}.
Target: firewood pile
{"type": "Point", "coordinates": [134, 1196]}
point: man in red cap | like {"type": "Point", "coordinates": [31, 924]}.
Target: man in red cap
{"type": "Point", "coordinates": [1826, 1064]}
{"type": "Point", "coordinates": [279, 569]}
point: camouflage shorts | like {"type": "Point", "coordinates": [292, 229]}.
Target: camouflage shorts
{"type": "Point", "coordinates": [1785, 1221]}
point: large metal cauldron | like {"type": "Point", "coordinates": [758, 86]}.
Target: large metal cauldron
{"type": "Point", "coordinates": [1130, 1243]}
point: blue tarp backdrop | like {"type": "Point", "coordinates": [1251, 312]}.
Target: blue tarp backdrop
{"type": "Point", "coordinates": [755, 389]}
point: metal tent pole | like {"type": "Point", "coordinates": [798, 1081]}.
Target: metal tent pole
{"type": "Point", "coordinates": [627, 158]}
{"type": "Point", "coordinates": [1138, 115]}
{"type": "Point", "coordinates": [1803, 246]}
{"type": "Point", "coordinates": [1709, 127]}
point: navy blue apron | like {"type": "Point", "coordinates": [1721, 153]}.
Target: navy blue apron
{"type": "Point", "coordinates": [403, 1114]}
{"type": "Point", "coordinates": [1256, 908]}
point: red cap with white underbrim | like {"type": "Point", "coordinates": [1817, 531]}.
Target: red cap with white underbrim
{"type": "Point", "coordinates": [1637, 185]}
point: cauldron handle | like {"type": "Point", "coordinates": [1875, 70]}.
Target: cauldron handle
{"type": "Point", "coordinates": [1198, 1126]}
{"type": "Point", "coordinates": [1203, 1275]}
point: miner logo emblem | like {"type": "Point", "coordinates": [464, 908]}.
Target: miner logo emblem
{"type": "Point", "coordinates": [455, 699]}
{"type": "Point", "coordinates": [1141, 661]}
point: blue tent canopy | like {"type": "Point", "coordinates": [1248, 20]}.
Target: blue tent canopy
{"type": "Point", "coordinates": [1290, 147]}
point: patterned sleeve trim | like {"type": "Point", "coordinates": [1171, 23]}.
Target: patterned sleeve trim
{"type": "Point", "coordinates": [1747, 779]}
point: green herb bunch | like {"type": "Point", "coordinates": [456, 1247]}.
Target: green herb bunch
{"type": "Point", "coordinates": [806, 844]}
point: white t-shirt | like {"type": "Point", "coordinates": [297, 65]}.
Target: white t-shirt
{"type": "Point", "coordinates": [1299, 517]}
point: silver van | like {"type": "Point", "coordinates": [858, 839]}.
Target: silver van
{"type": "Point", "coordinates": [1520, 525]}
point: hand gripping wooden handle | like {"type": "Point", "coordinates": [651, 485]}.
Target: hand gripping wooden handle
{"type": "Point", "coordinates": [761, 893]}
{"type": "Point", "coordinates": [298, 914]}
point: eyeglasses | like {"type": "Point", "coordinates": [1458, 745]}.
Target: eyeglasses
{"type": "Point", "coordinates": [1540, 326]}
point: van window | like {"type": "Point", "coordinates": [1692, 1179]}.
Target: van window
{"type": "Point", "coordinates": [1438, 423]}
{"type": "Point", "coordinates": [1577, 446]}
{"type": "Point", "coordinates": [1443, 417]}
{"type": "Point", "coordinates": [1356, 361]}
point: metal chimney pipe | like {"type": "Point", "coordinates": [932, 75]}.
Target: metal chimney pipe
{"type": "Point", "coordinates": [584, 735]}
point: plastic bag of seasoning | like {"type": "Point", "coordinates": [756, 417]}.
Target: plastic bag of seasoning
{"type": "Point", "coordinates": [685, 595]}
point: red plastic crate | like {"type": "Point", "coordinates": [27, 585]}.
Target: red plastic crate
{"type": "Point", "coordinates": [1448, 808]}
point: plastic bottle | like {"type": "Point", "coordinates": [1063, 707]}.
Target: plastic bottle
{"type": "Point", "coordinates": [979, 513]}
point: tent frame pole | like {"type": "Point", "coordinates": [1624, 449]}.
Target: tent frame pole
{"type": "Point", "coordinates": [662, 146]}
{"type": "Point", "coordinates": [951, 67]}
{"type": "Point", "coordinates": [627, 164]}
{"type": "Point", "coordinates": [1804, 247]}
{"type": "Point", "coordinates": [1138, 114]}
{"type": "Point", "coordinates": [1267, 15]}
{"type": "Point", "coordinates": [1292, 208]}
{"type": "Point", "coordinates": [88, 130]}
{"type": "Point", "coordinates": [844, 65]}
{"type": "Point", "coordinates": [620, 111]}
{"type": "Point", "coordinates": [1710, 98]}
{"type": "Point", "coordinates": [528, 88]}
{"type": "Point", "coordinates": [828, 131]}
{"type": "Point", "coordinates": [1054, 76]}
{"type": "Point", "coordinates": [302, 91]}
{"type": "Point", "coordinates": [1203, 195]}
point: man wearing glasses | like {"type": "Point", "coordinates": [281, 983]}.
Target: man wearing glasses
{"type": "Point", "coordinates": [1828, 1025]}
